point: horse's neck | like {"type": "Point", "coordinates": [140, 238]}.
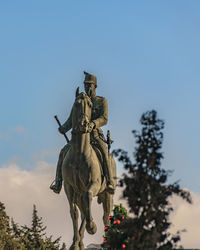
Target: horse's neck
{"type": "Point", "coordinates": [81, 143]}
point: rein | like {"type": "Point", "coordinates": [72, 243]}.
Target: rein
{"type": "Point", "coordinates": [76, 132]}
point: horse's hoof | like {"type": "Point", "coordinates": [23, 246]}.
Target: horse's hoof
{"type": "Point", "coordinates": [91, 227]}
{"type": "Point", "coordinates": [81, 246]}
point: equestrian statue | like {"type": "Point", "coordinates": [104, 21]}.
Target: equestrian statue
{"type": "Point", "coordinates": [85, 165]}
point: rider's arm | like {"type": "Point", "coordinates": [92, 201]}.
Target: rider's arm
{"type": "Point", "coordinates": [103, 118]}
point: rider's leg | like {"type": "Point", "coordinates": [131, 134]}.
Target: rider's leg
{"type": "Point", "coordinates": [106, 166]}
{"type": "Point", "coordinates": [57, 184]}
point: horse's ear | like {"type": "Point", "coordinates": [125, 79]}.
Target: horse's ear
{"type": "Point", "coordinates": [77, 92]}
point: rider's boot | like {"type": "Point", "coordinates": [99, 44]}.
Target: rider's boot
{"type": "Point", "coordinates": [56, 186]}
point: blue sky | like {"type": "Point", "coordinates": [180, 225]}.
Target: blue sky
{"type": "Point", "coordinates": [145, 55]}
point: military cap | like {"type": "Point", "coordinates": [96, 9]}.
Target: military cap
{"type": "Point", "coordinates": [90, 78]}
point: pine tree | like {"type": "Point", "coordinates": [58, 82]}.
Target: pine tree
{"type": "Point", "coordinates": [15, 237]}
{"type": "Point", "coordinates": [147, 190]}
{"type": "Point", "coordinates": [7, 239]}
{"type": "Point", "coordinates": [35, 237]}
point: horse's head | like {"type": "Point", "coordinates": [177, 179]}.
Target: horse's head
{"type": "Point", "coordinates": [82, 111]}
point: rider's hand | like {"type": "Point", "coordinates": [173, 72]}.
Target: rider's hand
{"type": "Point", "coordinates": [91, 126]}
{"type": "Point", "coordinates": [61, 130]}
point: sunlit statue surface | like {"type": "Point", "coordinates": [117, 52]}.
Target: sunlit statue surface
{"type": "Point", "coordinates": [85, 164]}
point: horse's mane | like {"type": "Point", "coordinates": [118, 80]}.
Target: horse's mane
{"type": "Point", "coordinates": [83, 95]}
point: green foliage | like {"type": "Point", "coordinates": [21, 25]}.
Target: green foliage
{"type": "Point", "coordinates": [23, 237]}
{"type": "Point", "coordinates": [7, 239]}
{"type": "Point", "coordinates": [114, 236]}
{"type": "Point", "coordinates": [34, 237]}
{"type": "Point", "coordinates": [147, 190]}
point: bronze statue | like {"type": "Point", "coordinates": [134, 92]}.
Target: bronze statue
{"type": "Point", "coordinates": [99, 119]}
{"type": "Point", "coordinates": [85, 163]}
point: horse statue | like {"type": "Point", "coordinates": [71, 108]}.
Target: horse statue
{"type": "Point", "coordinates": [83, 175]}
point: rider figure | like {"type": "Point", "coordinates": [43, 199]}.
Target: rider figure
{"type": "Point", "coordinates": [99, 119]}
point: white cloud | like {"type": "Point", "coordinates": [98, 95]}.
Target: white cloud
{"type": "Point", "coordinates": [20, 189]}
{"type": "Point", "coordinates": [187, 217]}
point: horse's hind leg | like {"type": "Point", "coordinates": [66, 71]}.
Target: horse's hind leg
{"type": "Point", "coordinates": [74, 215]}
{"type": "Point", "coordinates": [107, 201]}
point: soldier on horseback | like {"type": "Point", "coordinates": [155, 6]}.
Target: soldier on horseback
{"type": "Point", "coordinates": [99, 119]}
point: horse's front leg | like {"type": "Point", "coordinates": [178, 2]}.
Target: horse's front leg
{"type": "Point", "coordinates": [83, 222]}
{"type": "Point", "coordinates": [90, 225]}
{"type": "Point", "coordinates": [74, 215]}
{"type": "Point", "coordinates": [81, 232]}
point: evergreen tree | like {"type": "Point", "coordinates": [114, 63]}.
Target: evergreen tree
{"type": "Point", "coordinates": [147, 190]}
{"type": "Point", "coordinates": [7, 239]}
{"type": "Point", "coordinates": [34, 237]}
{"type": "Point", "coordinates": [15, 237]}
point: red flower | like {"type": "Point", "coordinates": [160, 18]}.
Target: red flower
{"type": "Point", "coordinates": [104, 240]}
{"type": "Point", "coordinates": [110, 217]}
{"type": "Point", "coordinates": [123, 246]}
{"type": "Point", "coordinates": [106, 228]}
